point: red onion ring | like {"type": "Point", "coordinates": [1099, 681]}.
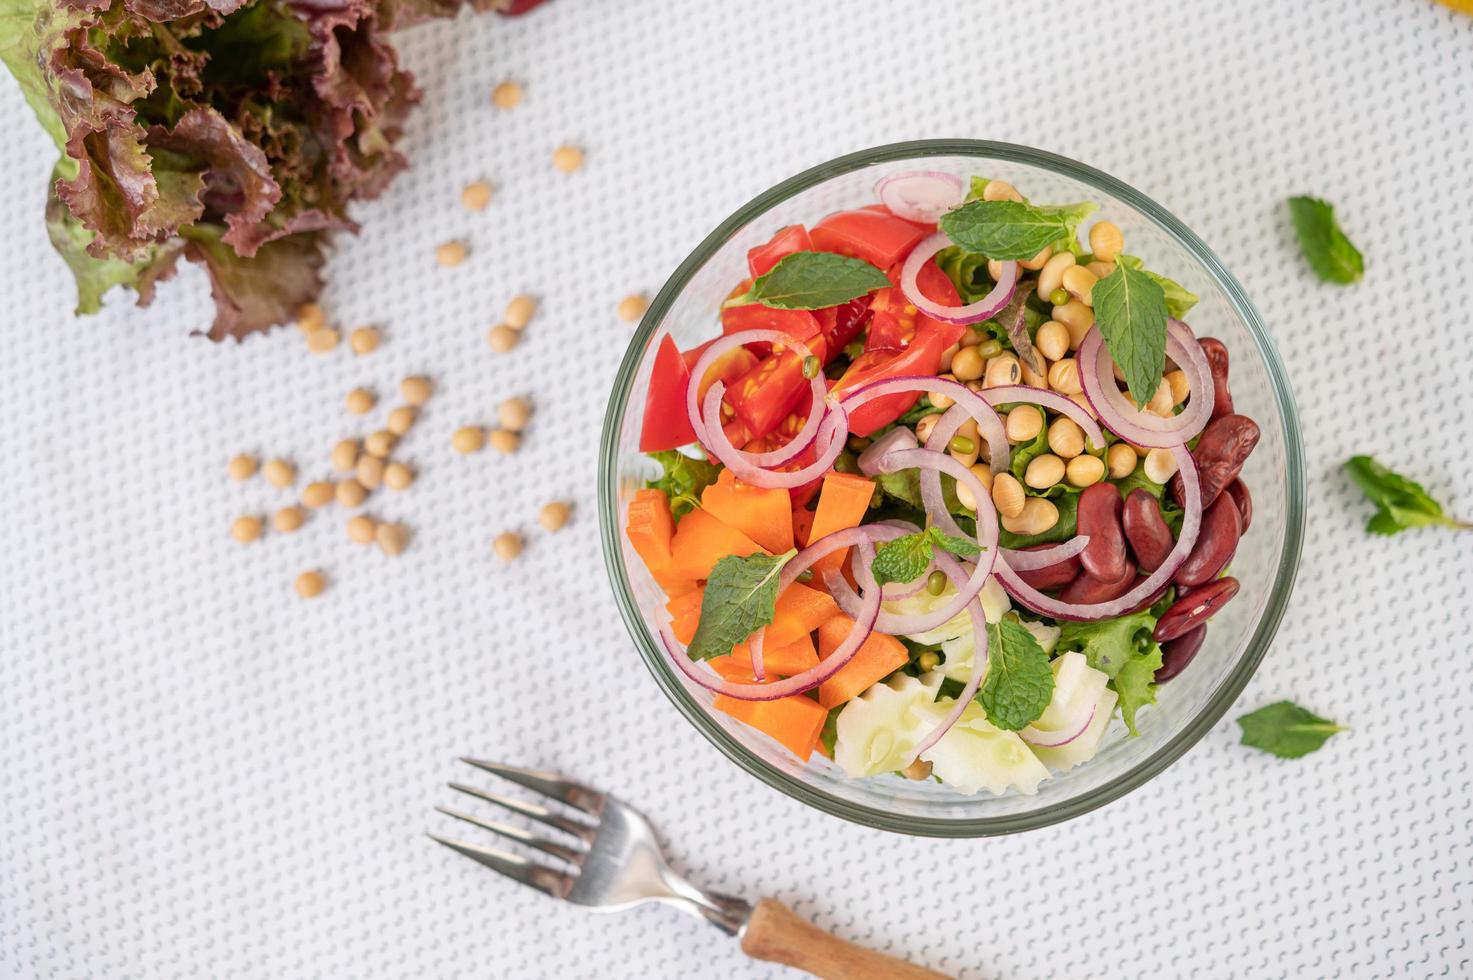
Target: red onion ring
{"type": "Point", "coordinates": [1029, 561]}
{"type": "Point", "coordinates": [953, 570]}
{"type": "Point", "coordinates": [1052, 400]}
{"type": "Point", "coordinates": [831, 435]}
{"type": "Point", "coordinates": [1052, 740]}
{"type": "Point", "coordinates": [1088, 612]}
{"type": "Point", "coordinates": [920, 195]}
{"type": "Point", "coordinates": [969, 404]}
{"type": "Point", "coordinates": [720, 346]}
{"type": "Point", "coordinates": [985, 307]}
{"type": "Point", "coordinates": [1119, 414]}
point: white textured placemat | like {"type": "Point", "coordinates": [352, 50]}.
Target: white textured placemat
{"type": "Point", "coordinates": [204, 776]}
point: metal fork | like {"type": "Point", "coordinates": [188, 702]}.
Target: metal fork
{"type": "Point", "coordinates": [608, 859]}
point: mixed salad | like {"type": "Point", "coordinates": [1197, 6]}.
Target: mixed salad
{"type": "Point", "coordinates": [952, 488]}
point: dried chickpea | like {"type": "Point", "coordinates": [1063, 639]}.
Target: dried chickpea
{"type": "Point", "coordinates": [1080, 283]}
{"type": "Point", "coordinates": [245, 529]}
{"type": "Point", "coordinates": [506, 95]}
{"type": "Point", "coordinates": [945, 366]}
{"type": "Point", "coordinates": [1063, 375]}
{"type": "Point", "coordinates": [1065, 438]}
{"type": "Point", "coordinates": [468, 439]}
{"type": "Point", "coordinates": [939, 400]}
{"type": "Point", "coordinates": [1044, 471]}
{"type": "Point", "coordinates": [1037, 262]}
{"type": "Point", "coordinates": [310, 317]}
{"type": "Point", "coordinates": [632, 307]}
{"type": "Point", "coordinates": [279, 473]}
{"type": "Point", "coordinates": [361, 529]}
{"type": "Point", "coordinates": [350, 493]}
{"type": "Point", "coordinates": [994, 269]}
{"type": "Point", "coordinates": [968, 365]}
{"type": "Point", "coordinates": [1051, 276]}
{"type": "Point", "coordinates": [360, 401]}
{"type": "Point", "coordinates": [288, 519]}
{"type": "Point", "coordinates": [380, 443]}
{"type": "Point", "coordinates": [1000, 190]}
{"type": "Point", "coordinates": [1052, 340]}
{"type": "Point", "coordinates": [401, 419]}
{"type": "Point", "coordinates": [242, 467]}
{"type": "Point", "coordinates": [450, 254]}
{"type": "Point", "coordinates": [1024, 423]}
{"type": "Point", "coordinates": [513, 414]}
{"type": "Point", "coordinates": [567, 158]}
{"type": "Point", "coordinates": [322, 340]}
{"type": "Point", "coordinates": [398, 476]}
{"type": "Point", "coordinates": [1079, 398]}
{"type": "Point", "coordinates": [364, 340]}
{"type": "Point", "coordinates": [475, 196]}
{"type": "Point", "coordinates": [553, 515]}
{"type": "Point", "coordinates": [1078, 318]}
{"type": "Point", "coordinates": [415, 390]}
{"type": "Point", "coordinates": [505, 441]}
{"type": "Point", "coordinates": [1180, 386]}
{"type": "Point", "coordinates": [1106, 240]}
{"type": "Point", "coordinates": [1160, 465]}
{"type": "Point", "coordinates": [1031, 377]}
{"type": "Point", "coordinates": [1102, 270]}
{"type": "Point", "coordinates": [392, 538]}
{"type": "Point", "coordinates": [502, 338]}
{"type": "Point", "coordinates": [1120, 459]}
{"type": "Point", "coordinates": [1140, 451]}
{"type": "Point", "coordinates": [1007, 495]}
{"type": "Point", "coordinates": [1161, 402]}
{"type": "Point", "coordinates": [508, 545]}
{"type": "Point", "coordinates": [1037, 516]}
{"type": "Point", "coordinates": [370, 472]}
{"type": "Point", "coordinates": [924, 427]}
{"type": "Point", "coordinates": [1003, 369]}
{"type": "Point", "coordinates": [519, 311]}
{"type": "Point", "coordinates": [317, 494]}
{"type": "Point", "coordinates": [345, 455]}
{"type": "Point", "coordinates": [983, 473]}
{"type": "Point", "coordinates": [309, 585]}
{"type": "Point", "coordinates": [1085, 471]}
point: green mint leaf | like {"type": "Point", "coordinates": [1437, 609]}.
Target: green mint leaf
{"type": "Point", "coordinates": [814, 280]}
{"type": "Point", "coordinates": [1286, 730]}
{"type": "Point", "coordinates": [1400, 503]}
{"type": "Point", "coordinates": [902, 560]}
{"type": "Point", "coordinates": [961, 547]}
{"type": "Point", "coordinates": [1130, 310]}
{"type": "Point", "coordinates": [1133, 684]}
{"type": "Point", "coordinates": [1072, 215]}
{"type": "Point", "coordinates": [683, 480]}
{"type": "Point", "coordinates": [1329, 252]}
{"type": "Point", "coordinates": [1178, 298]}
{"type": "Point", "coordinates": [1011, 229]}
{"type": "Point", "coordinates": [1019, 684]}
{"type": "Point", "coordinates": [1108, 644]}
{"type": "Point", "coordinates": [740, 598]}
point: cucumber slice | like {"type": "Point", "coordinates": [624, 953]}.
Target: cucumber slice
{"type": "Point", "coordinates": [878, 730]}
{"type": "Point", "coordinates": [976, 755]}
{"type": "Point", "coordinates": [1082, 749]}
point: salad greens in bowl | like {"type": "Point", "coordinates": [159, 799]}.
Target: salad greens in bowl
{"type": "Point", "coordinates": [952, 487]}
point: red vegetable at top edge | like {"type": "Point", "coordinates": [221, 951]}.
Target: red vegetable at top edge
{"type": "Point", "coordinates": [666, 423]}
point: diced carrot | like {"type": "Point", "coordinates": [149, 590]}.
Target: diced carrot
{"type": "Point", "coordinates": [879, 656]}
{"type": "Point", "coordinates": [784, 661]}
{"type": "Point", "coordinates": [734, 668]}
{"type": "Point", "coordinates": [842, 504]}
{"type": "Point", "coordinates": [802, 525]}
{"type": "Point", "coordinates": [799, 611]}
{"type": "Point", "coordinates": [795, 722]}
{"type": "Point", "coordinates": [765, 516]}
{"type": "Point", "coordinates": [701, 540]}
{"type": "Point", "coordinates": [685, 614]}
{"type": "Point", "coordinates": [651, 529]}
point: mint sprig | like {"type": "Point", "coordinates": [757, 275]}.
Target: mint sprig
{"type": "Point", "coordinates": [813, 281]}
{"type": "Point", "coordinates": [1019, 683]}
{"type": "Point", "coordinates": [684, 479]}
{"type": "Point", "coordinates": [904, 559]}
{"type": "Point", "coordinates": [1013, 229]}
{"type": "Point", "coordinates": [1400, 503]}
{"type": "Point", "coordinates": [1331, 255]}
{"type": "Point", "coordinates": [1130, 310]}
{"type": "Point", "coordinates": [1286, 730]}
{"type": "Point", "coordinates": [740, 598]}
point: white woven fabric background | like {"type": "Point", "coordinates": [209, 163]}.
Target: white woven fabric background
{"type": "Point", "coordinates": [205, 776]}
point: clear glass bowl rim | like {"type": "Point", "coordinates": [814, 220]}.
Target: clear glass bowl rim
{"type": "Point", "coordinates": [655, 657]}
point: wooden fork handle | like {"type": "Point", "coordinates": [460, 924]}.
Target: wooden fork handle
{"type": "Point", "coordinates": [776, 934]}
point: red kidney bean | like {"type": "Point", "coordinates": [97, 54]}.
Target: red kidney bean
{"type": "Point", "coordinates": [1238, 490]}
{"type": "Point", "coordinates": [1150, 539]}
{"type": "Point", "coordinates": [1221, 451]}
{"type": "Point", "coordinates": [1217, 360]}
{"type": "Point", "coordinates": [1149, 600]}
{"type": "Point", "coordinates": [1087, 590]}
{"type": "Point", "coordinates": [1104, 558]}
{"type": "Point", "coordinates": [1053, 576]}
{"type": "Point", "coordinates": [1216, 544]}
{"type": "Point", "coordinates": [1177, 653]}
{"type": "Point", "coordinates": [1187, 614]}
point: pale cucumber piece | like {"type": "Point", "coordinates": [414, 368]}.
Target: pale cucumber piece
{"type": "Point", "coordinates": [878, 731]}
{"type": "Point", "coordinates": [976, 755]}
{"type": "Point", "coordinates": [1077, 686]}
{"type": "Point", "coordinates": [994, 604]}
{"type": "Point", "coordinates": [1082, 749]}
{"type": "Point", "coordinates": [1046, 635]}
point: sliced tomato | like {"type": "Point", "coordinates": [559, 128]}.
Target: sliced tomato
{"type": "Point", "coordinates": [793, 238]}
{"type": "Point", "coordinates": [728, 367]}
{"type": "Point", "coordinates": [800, 324]}
{"type": "Point", "coordinates": [876, 236]}
{"type": "Point", "coordinates": [666, 423]}
{"type": "Point", "coordinates": [895, 317]}
{"type": "Point", "coordinates": [773, 389]}
{"type": "Point", "coordinates": [841, 324]}
{"type": "Point", "coordinates": [921, 357]}
{"type": "Point", "coordinates": [785, 431]}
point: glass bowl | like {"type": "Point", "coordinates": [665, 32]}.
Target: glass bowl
{"type": "Point", "coordinates": [687, 307]}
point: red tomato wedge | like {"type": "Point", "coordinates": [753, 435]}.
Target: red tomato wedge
{"type": "Point", "coordinates": [728, 367]}
{"type": "Point", "coordinates": [922, 357]}
{"type": "Point", "coordinates": [876, 236]}
{"type": "Point", "coordinates": [666, 424]}
{"type": "Point", "coordinates": [793, 238]}
{"type": "Point", "coordinates": [895, 318]}
{"type": "Point", "coordinates": [754, 316]}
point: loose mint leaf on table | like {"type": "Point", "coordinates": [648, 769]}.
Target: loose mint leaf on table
{"type": "Point", "coordinates": [1178, 298]}
{"type": "Point", "coordinates": [683, 480]}
{"type": "Point", "coordinates": [1012, 229]}
{"type": "Point", "coordinates": [813, 281]}
{"type": "Point", "coordinates": [1286, 730]}
{"type": "Point", "coordinates": [904, 559]}
{"type": "Point", "coordinates": [1130, 310]}
{"type": "Point", "coordinates": [1400, 503]}
{"type": "Point", "coordinates": [1019, 684]}
{"type": "Point", "coordinates": [1134, 684]}
{"type": "Point", "coordinates": [740, 598]}
{"type": "Point", "coordinates": [1331, 255]}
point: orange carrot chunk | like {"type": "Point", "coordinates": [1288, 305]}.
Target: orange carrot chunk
{"type": "Point", "coordinates": [701, 540]}
{"type": "Point", "coordinates": [842, 503]}
{"type": "Point", "coordinates": [765, 516]}
{"type": "Point", "coordinates": [784, 661]}
{"type": "Point", "coordinates": [795, 722]}
{"type": "Point", "coordinates": [879, 656]}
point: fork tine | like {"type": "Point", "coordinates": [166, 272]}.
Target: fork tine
{"type": "Point", "coordinates": [533, 810]}
{"type": "Point", "coordinates": [519, 835]}
{"type": "Point", "coordinates": [590, 801]}
{"type": "Point", "coordinates": [538, 876]}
